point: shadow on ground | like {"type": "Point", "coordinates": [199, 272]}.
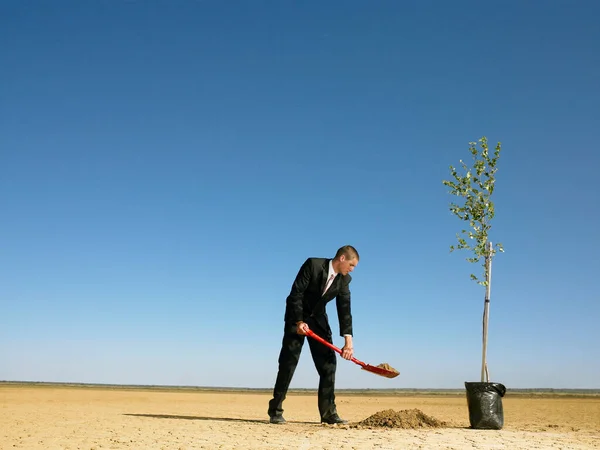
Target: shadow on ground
{"type": "Point", "coordinates": [223, 419]}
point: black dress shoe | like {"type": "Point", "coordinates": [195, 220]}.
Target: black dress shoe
{"type": "Point", "coordinates": [334, 419]}
{"type": "Point", "coordinates": [278, 419]}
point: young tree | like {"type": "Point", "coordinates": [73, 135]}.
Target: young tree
{"type": "Point", "coordinates": [475, 186]}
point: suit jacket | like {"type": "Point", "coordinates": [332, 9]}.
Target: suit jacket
{"type": "Point", "coordinates": [305, 300]}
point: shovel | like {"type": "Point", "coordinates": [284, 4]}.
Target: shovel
{"type": "Point", "coordinates": [384, 372]}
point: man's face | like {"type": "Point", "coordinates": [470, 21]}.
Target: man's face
{"type": "Point", "coordinates": [347, 265]}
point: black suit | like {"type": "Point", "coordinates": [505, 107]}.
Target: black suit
{"type": "Point", "coordinates": [306, 303]}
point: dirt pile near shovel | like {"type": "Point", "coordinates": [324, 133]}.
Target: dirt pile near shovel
{"type": "Point", "coordinates": [407, 418]}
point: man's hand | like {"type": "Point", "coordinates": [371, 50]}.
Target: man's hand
{"type": "Point", "coordinates": [347, 349]}
{"type": "Point", "coordinates": [301, 328]}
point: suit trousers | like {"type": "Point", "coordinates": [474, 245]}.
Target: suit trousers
{"type": "Point", "coordinates": [325, 362]}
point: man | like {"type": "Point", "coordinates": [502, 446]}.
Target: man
{"type": "Point", "coordinates": [318, 281]}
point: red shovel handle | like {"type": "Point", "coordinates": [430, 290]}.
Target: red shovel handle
{"type": "Point", "coordinates": [333, 347]}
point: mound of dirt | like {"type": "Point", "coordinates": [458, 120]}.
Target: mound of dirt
{"type": "Point", "coordinates": [407, 418]}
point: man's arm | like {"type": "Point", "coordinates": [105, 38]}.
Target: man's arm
{"type": "Point", "coordinates": [343, 307]}
{"type": "Point", "coordinates": [294, 300]}
{"type": "Point", "coordinates": [345, 317]}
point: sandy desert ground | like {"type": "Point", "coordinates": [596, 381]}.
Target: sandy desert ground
{"type": "Point", "coordinates": [55, 417]}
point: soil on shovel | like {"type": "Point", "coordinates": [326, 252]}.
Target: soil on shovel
{"type": "Point", "coordinates": [407, 418]}
{"type": "Point", "coordinates": [386, 366]}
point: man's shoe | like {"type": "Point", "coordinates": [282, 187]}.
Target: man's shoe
{"type": "Point", "coordinates": [278, 419]}
{"type": "Point", "coordinates": [334, 419]}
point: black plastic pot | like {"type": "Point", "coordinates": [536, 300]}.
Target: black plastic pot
{"type": "Point", "coordinates": [484, 400]}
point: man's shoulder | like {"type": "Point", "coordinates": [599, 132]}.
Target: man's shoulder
{"type": "Point", "coordinates": [316, 261]}
{"type": "Point", "coordinates": [313, 263]}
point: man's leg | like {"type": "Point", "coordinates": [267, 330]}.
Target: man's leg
{"type": "Point", "coordinates": [291, 346]}
{"type": "Point", "coordinates": [325, 363]}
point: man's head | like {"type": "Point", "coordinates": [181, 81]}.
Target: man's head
{"type": "Point", "coordinates": [345, 260]}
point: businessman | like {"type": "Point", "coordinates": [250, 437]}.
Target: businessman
{"type": "Point", "coordinates": [318, 281]}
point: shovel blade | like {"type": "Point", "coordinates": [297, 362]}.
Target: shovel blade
{"type": "Point", "coordinates": [381, 371]}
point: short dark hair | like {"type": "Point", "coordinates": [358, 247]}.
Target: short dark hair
{"type": "Point", "coordinates": [348, 251]}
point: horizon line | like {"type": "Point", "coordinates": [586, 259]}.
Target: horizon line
{"type": "Point", "coordinates": [239, 388]}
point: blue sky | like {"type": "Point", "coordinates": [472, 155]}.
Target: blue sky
{"type": "Point", "coordinates": [167, 167]}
